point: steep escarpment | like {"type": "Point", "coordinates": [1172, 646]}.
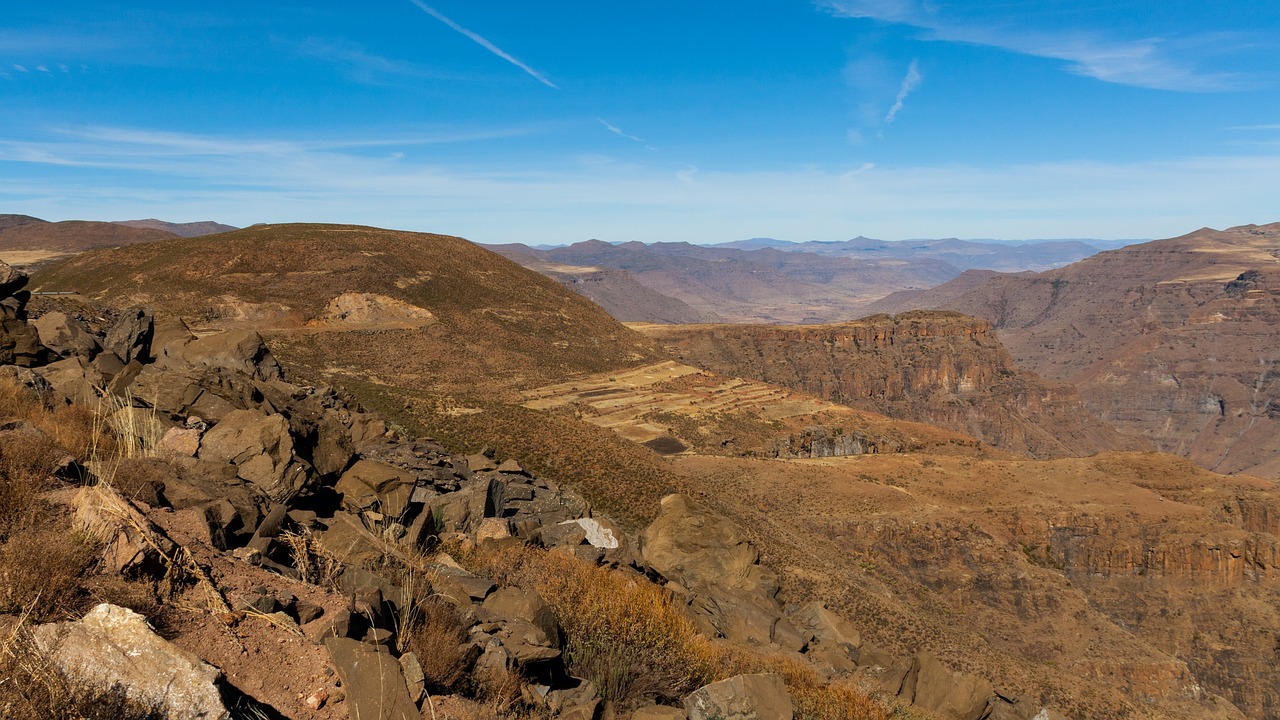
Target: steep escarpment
{"type": "Point", "coordinates": [1120, 586]}
{"type": "Point", "coordinates": [936, 367]}
{"type": "Point", "coordinates": [1171, 340]}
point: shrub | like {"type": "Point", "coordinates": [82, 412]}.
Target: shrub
{"type": "Point", "coordinates": [624, 634]}
{"type": "Point", "coordinates": [438, 637]}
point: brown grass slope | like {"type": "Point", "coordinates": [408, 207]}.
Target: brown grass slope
{"type": "Point", "coordinates": [188, 229]}
{"type": "Point", "coordinates": [498, 324]}
{"type": "Point", "coordinates": [936, 367]}
{"type": "Point", "coordinates": [73, 236]}
{"type": "Point", "coordinates": [1174, 340]}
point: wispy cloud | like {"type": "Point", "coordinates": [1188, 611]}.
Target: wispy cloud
{"type": "Point", "coordinates": [1143, 62]}
{"type": "Point", "coordinates": [357, 63]}
{"type": "Point", "coordinates": [21, 68]}
{"type": "Point", "coordinates": [484, 43]}
{"type": "Point", "coordinates": [910, 82]}
{"type": "Point", "coordinates": [618, 131]}
{"type": "Point", "coordinates": [114, 173]}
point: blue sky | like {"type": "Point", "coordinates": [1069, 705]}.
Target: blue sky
{"type": "Point", "coordinates": [555, 122]}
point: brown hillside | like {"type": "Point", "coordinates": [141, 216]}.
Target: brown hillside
{"type": "Point", "coordinates": [190, 229]}
{"type": "Point", "coordinates": [498, 324]}
{"type": "Point", "coordinates": [74, 236]}
{"type": "Point", "coordinates": [1173, 340]}
{"type": "Point", "coordinates": [936, 367]}
{"type": "Point", "coordinates": [1117, 586]}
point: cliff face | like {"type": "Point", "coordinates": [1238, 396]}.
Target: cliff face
{"type": "Point", "coordinates": [1172, 340]}
{"type": "Point", "coordinates": [936, 367]}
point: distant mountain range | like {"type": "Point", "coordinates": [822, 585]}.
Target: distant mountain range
{"type": "Point", "coordinates": [768, 280]}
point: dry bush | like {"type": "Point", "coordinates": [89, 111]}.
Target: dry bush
{"type": "Point", "coordinates": [314, 563]}
{"type": "Point", "coordinates": [628, 637]}
{"type": "Point", "coordinates": [622, 633]}
{"type": "Point", "coordinates": [438, 637]}
{"type": "Point", "coordinates": [75, 428]}
{"type": "Point", "coordinates": [31, 688]}
{"type": "Point", "coordinates": [41, 567]}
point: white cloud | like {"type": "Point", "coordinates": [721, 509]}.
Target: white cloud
{"type": "Point", "coordinates": [909, 83]}
{"type": "Point", "coordinates": [1144, 62]}
{"type": "Point", "coordinates": [476, 38]}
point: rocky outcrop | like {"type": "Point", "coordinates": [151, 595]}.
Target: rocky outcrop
{"type": "Point", "coordinates": [19, 342]}
{"type": "Point", "coordinates": [743, 697]}
{"type": "Point", "coordinates": [936, 367]}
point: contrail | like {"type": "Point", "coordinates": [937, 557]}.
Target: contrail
{"type": "Point", "coordinates": [484, 43]}
{"type": "Point", "coordinates": [909, 83]}
{"type": "Point", "coordinates": [618, 131]}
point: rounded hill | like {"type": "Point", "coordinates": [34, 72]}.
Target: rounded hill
{"type": "Point", "coordinates": [488, 312]}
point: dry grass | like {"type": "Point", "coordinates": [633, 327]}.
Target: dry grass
{"type": "Point", "coordinates": [314, 563]}
{"type": "Point", "coordinates": [438, 637]}
{"type": "Point", "coordinates": [622, 633]}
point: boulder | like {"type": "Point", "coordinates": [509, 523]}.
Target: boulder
{"type": "Point", "coordinates": [179, 442]}
{"type": "Point", "coordinates": [744, 697]}
{"type": "Point", "coordinates": [930, 685]}
{"type": "Point", "coordinates": [370, 484]}
{"type": "Point", "coordinates": [372, 679]}
{"type": "Point", "coordinates": [237, 350]}
{"type": "Point", "coordinates": [130, 337]}
{"type": "Point", "coordinates": [261, 448]}
{"type": "Point", "coordinates": [114, 646]}
{"type": "Point", "coordinates": [65, 335]}
{"type": "Point", "coordinates": [19, 342]}
{"type": "Point", "coordinates": [515, 604]}
{"type": "Point", "coordinates": [694, 547]}
{"type": "Point", "coordinates": [11, 280]}
{"type": "Point", "coordinates": [815, 619]}
{"type": "Point", "coordinates": [74, 380]}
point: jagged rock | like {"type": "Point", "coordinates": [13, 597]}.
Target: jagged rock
{"type": "Point", "coordinates": [744, 697]}
{"type": "Point", "coordinates": [374, 683]}
{"type": "Point", "coordinates": [108, 365]}
{"type": "Point", "coordinates": [11, 280]}
{"type": "Point", "coordinates": [261, 448]}
{"type": "Point", "coordinates": [74, 380]}
{"type": "Point", "coordinates": [932, 686]}
{"type": "Point", "coordinates": [370, 484]}
{"type": "Point", "coordinates": [130, 337]}
{"type": "Point", "coordinates": [333, 449]}
{"type": "Point", "coordinates": [818, 621]}
{"type": "Point", "coordinates": [239, 350]}
{"type": "Point", "coordinates": [480, 463]}
{"type": "Point", "coordinates": [19, 342]}
{"type": "Point", "coordinates": [510, 465]}
{"type": "Point", "coordinates": [520, 605]}
{"type": "Point", "coordinates": [179, 442]}
{"type": "Point", "coordinates": [493, 529]}
{"type": "Point", "coordinates": [27, 378]}
{"type": "Point", "coordinates": [114, 646]}
{"type": "Point", "coordinates": [65, 335]}
{"type": "Point", "coordinates": [131, 544]}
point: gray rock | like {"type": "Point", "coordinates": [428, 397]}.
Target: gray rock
{"type": "Point", "coordinates": [261, 448]}
{"type": "Point", "coordinates": [115, 646]}
{"type": "Point", "coordinates": [130, 337]}
{"type": "Point", "coordinates": [744, 697]}
{"type": "Point", "coordinates": [65, 336]}
{"type": "Point", "coordinates": [373, 681]}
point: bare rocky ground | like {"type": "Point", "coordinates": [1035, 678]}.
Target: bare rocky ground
{"type": "Point", "coordinates": [1124, 586]}
{"type": "Point", "coordinates": [304, 560]}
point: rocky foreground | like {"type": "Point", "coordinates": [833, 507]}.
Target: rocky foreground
{"type": "Point", "coordinates": [304, 560]}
